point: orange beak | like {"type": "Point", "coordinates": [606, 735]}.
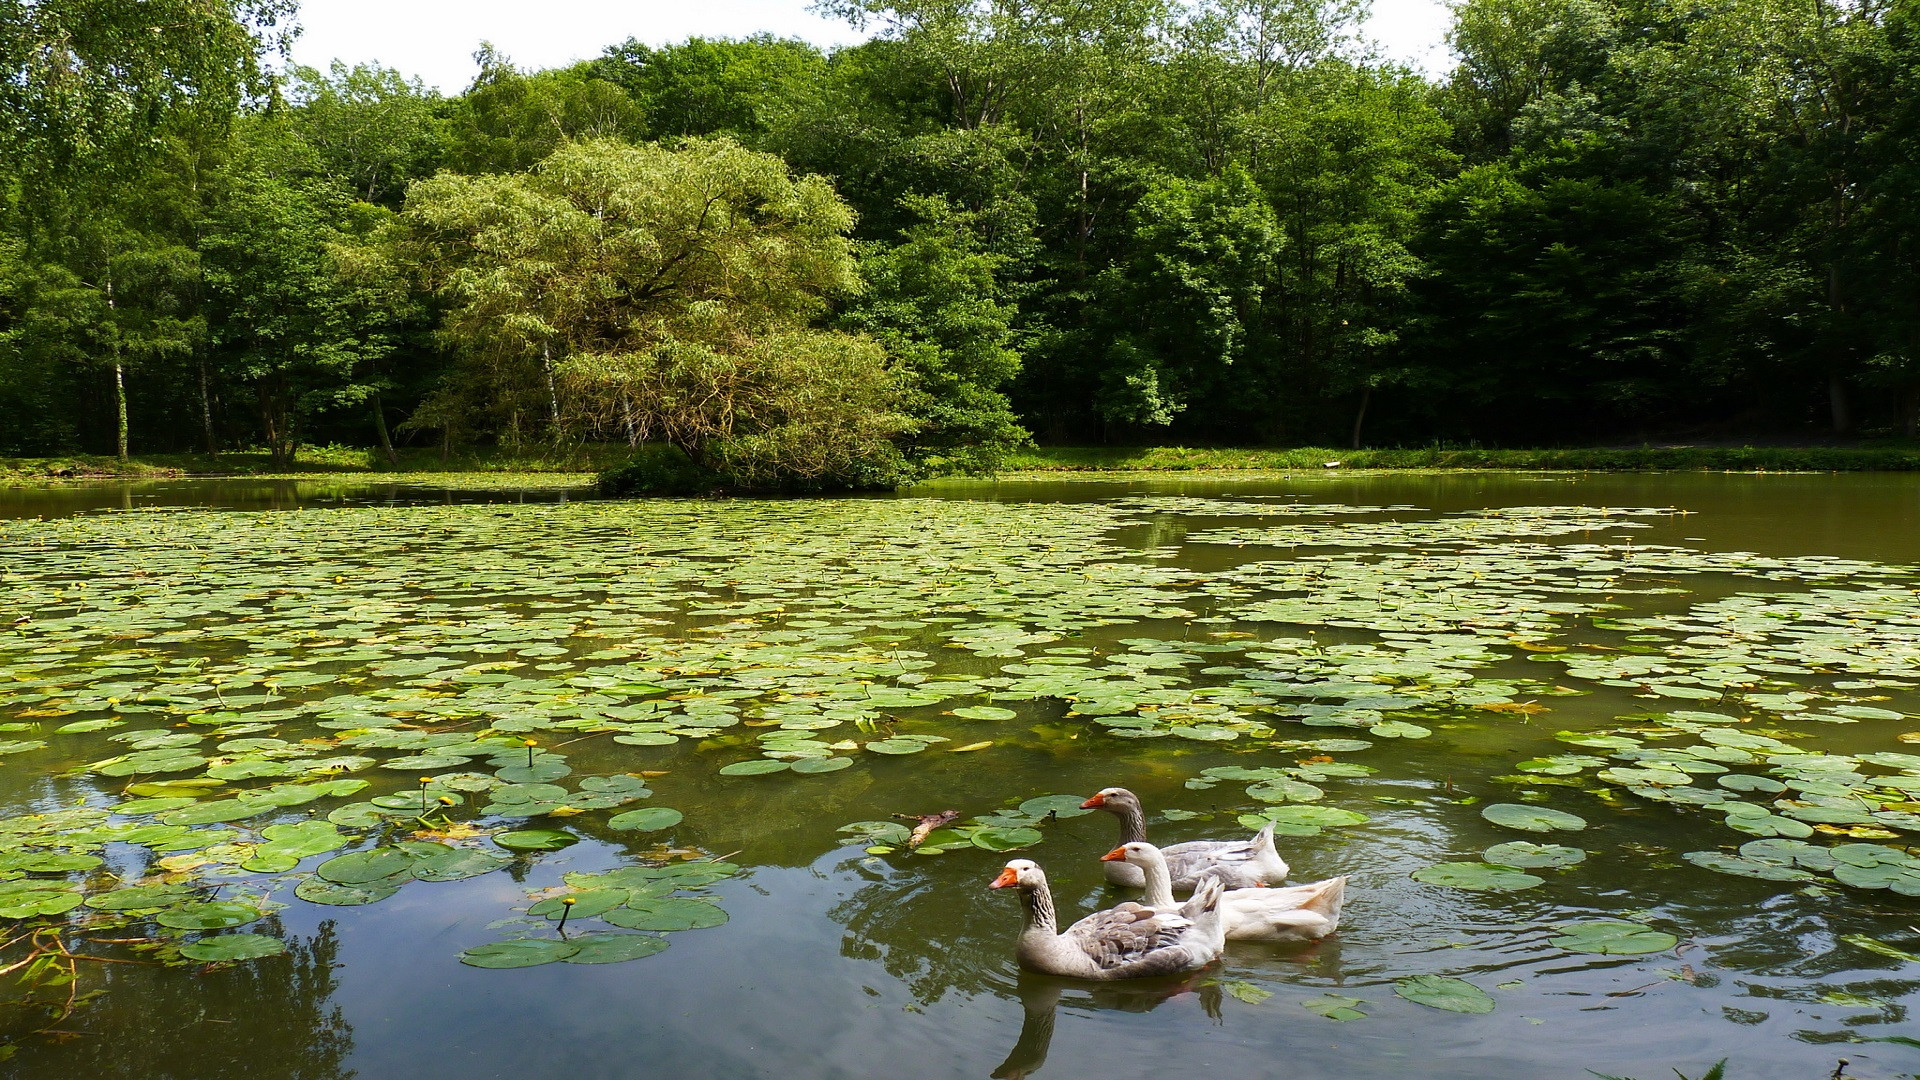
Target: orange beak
{"type": "Point", "coordinates": [1095, 803]}
{"type": "Point", "coordinates": [1007, 877]}
{"type": "Point", "coordinates": [1116, 855]}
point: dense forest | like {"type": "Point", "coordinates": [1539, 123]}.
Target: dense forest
{"type": "Point", "coordinates": [1214, 221]}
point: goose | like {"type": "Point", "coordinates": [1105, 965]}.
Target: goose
{"type": "Point", "coordinates": [1125, 942]}
{"type": "Point", "coordinates": [1300, 913]}
{"type": "Point", "coordinates": [1241, 864]}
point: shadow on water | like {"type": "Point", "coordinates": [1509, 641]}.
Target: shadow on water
{"type": "Point", "coordinates": [269, 1019]}
{"type": "Point", "coordinates": [1042, 995]}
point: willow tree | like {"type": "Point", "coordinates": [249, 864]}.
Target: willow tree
{"type": "Point", "coordinates": [661, 295]}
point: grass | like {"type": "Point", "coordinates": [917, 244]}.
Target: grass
{"type": "Point", "coordinates": [1889, 458]}
{"type": "Point", "coordinates": [322, 461]}
{"type": "Point", "coordinates": [315, 461]}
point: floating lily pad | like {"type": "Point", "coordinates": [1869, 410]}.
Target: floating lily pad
{"type": "Point", "coordinates": [650, 819]}
{"type": "Point", "coordinates": [810, 766]}
{"type": "Point", "coordinates": [1612, 938]}
{"type": "Point", "coordinates": [1476, 876]}
{"type": "Point", "coordinates": [1444, 992]}
{"type": "Point", "coordinates": [1526, 854]}
{"type": "Point", "coordinates": [360, 867]}
{"type": "Point", "coordinates": [1532, 818]}
{"type": "Point", "coordinates": [209, 915]}
{"type": "Point", "coordinates": [318, 890]}
{"type": "Point", "coordinates": [756, 767]}
{"type": "Point", "coordinates": [535, 839]}
{"type": "Point", "coordinates": [614, 948]}
{"type": "Point", "coordinates": [994, 839]}
{"type": "Point", "coordinates": [457, 864]}
{"type": "Point", "coordinates": [519, 953]}
{"type": "Point", "coordinates": [228, 948]}
{"type": "Point", "coordinates": [670, 913]}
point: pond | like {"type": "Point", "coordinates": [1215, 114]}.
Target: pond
{"type": "Point", "coordinates": [303, 777]}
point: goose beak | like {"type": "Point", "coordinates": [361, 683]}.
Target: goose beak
{"type": "Point", "coordinates": [1007, 877]}
{"type": "Point", "coordinates": [1118, 854]}
{"type": "Point", "coordinates": [1094, 803]}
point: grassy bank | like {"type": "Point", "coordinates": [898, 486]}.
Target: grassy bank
{"type": "Point", "coordinates": [1893, 458]}
{"type": "Point", "coordinates": [313, 461]}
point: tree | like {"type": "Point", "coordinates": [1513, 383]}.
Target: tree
{"type": "Point", "coordinates": [373, 130]}
{"type": "Point", "coordinates": [663, 294]}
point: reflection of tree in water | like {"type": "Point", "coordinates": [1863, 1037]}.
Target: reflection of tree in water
{"type": "Point", "coordinates": [932, 946]}
{"type": "Point", "coordinates": [1041, 996]}
{"type": "Point", "coordinates": [265, 1019]}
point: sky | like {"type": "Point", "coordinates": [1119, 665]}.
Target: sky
{"type": "Point", "coordinates": [436, 39]}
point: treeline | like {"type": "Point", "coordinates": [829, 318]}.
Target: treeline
{"type": "Point", "coordinates": [1095, 220]}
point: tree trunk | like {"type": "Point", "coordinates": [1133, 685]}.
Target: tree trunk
{"type": "Point", "coordinates": [1359, 418]}
{"type": "Point", "coordinates": [1837, 402]}
{"type": "Point", "coordinates": [553, 391]}
{"type": "Point", "coordinates": [120, 409]}
{"type": "Point", "coordinates": [206, 411]}
{"type": "Point", "coordinates": [380, 428]}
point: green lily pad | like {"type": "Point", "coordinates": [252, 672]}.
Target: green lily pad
{"type": "Point", "coordinates": [985, 712]}
{"type": "Point", "coordinates": [209, 915]}
{"type": "Point", "coordinates": [458, 864]}
{"type": "Point", "coordinates": [755, 767]}
{"type": "Point", "coordinates": [1444, 992]}
{"type": "Point", "coordinates": [614, 948]}
{"type": "Point", "coordinates": [671, 913]}
{"type": "Point", "coordinates": [810, 766]}
{"type": "Point", "coordinates": [1532, 818]}
{"type": "Point", "coordinates": [360, 867]}
{"type": "Point", "coordinates": [1476, 876]}
{"type": "Point", "coordinates": [1335, 1007]}
{"type": "Point", "coordinates": [650, 819]}
{"type": "Point", "coordinates": [997, 839]}
{"type": "Point", "coordinates": [519, 953]}
{"type": "Point", "coordinates": [1059, 806]}
{"type": "Point", "coordinates": [1525, 854]}
{"type": "Point", "coordinates": [535, 839]}
{"type": "Point", "coordinates": [227, 948]}
{"type": "Point", "coordinates": [318, 890]}
{"type": "Point", "coordinates": [1612, 938]}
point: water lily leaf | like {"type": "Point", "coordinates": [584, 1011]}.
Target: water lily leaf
{"type": "Point", "coordinates": [985, 712]}
{"type": "Point", "coordinates": [1399, 729]}
{"type": "Point", "coordinates": [1335, 1007]}
{"type": "Point", "coordinates": [671, 913]}
{"type": "Point", "coordinates": [651, 819]}
{"type": "Point", "coordinates": [614, 948]}
{"type": "Point", "coordinates": [1444, 992]}
{"type": "Point", "coordinates": [1476, 876]}
{"type": "Point", "coordinates": [1532, 818]}
{"type": "Point", "coordinates": [588, 903]}
{"type": "Point", "coordinates": [519, 953]}
{"type": "Point", "coordinates": [995, 839]}
{"type": "Point", "coordinates": [535, 839]}
{"type": "Point", "coordinates": [756, 767]}
{"type": "Point", "coordinates": [896, 746]}
{"type": "Point", "coordinates": [361, 867]}
{"type": "Point", "coordinates": [318, 890]}
{"type": "Point", "coordinates": [140, 897]}
{"type": "Point", "coordinates": [457, 864]}
{"type": "Point", "coordinates": [209, 915]}
{"type": "Point", "coordinates": [1283, 790]}
{"type": "Point", "coordinates": [1612, 938]}
{"type": "Point", "coordinates": [1747, 866]}
{"type": "Point", "coordinates": [227, 948]}
{"type": "Point", "coordinates": [810, 766]}
{"type": "Point", "coordinates": [1059, 806]}
{"type": "Point", "coordinates": [1526, 854]}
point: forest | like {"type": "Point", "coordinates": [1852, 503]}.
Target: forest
{"type": "Point", "coordinates": [1218, 222]}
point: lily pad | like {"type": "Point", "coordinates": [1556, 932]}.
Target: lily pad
{"type": "Point", "coordinates": [1444, 992]}
{"type": "Point", "coordinates": [209, 915]}
{"type": "Point", "coordinates": [535, 839]}
{"type": "Point", "coordinates": [1526, 854]}
{"type": "Point", "coordinates": [614, 948]}
{"type": "Point", "coordinates": [1532, 818]}
{"type": "Point", "coordinates": [227, 948]}
{"type": "Point", "coordinates": [1612, 938]}
{"type": "Point", "coordinates": [650, 819]}
{"type": "Point", "coordinates": [1476, 876]}
{"type": "Point", "coordinates": [519, 953]}
{"type": "Point", "coordinates": [671, 913]}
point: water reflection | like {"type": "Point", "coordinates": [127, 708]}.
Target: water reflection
{"type": "Point", "coordinates": [1041, 996]}
{"type": "Point", "coordinates": [268, 1019]}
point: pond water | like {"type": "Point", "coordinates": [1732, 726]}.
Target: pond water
{"type": "Point", "coordinates": [226, 705]}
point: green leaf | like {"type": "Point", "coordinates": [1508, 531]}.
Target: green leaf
{"type": "Point", "coordinates": [755, 767]}
{"type": "Point", "coordinates": [535, 839]}
{"type": "Point", "coordinates": [1476, 876]}
{"type": "Point", "coordinates": [996, 839]}
{"type": "Point", "coordinates": [519, 953]}
{"type": "Point", "coordinates": [650, 819]}
{"type": "Point", "coordinates": [1532, 818]}
{"type": "Point", "coordinates": [670, 913]}
{"type": "Point", "coordinates": [1335, 1007]}
{"type": "Point", "coordinates": [231, 947]}
{"type": "Point", "coordinates": [1526, 854]}
{"type": "Point", "coordinates": [1612, 938]}
{"type": "Point", "coordinates": [209, 915]}
{"type": "Point", "coordinates": [1444, 992]}
{"type": "Point", "coordinates": [614, 948]}
{"type": "Point", "coordinates": [361, 867]}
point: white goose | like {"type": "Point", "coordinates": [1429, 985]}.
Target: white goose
{"type": "Point", "coordinates": [1240, 864]}
{"type": "Point", "coordinates": [1300, 913]}
{"type": "Point", "coordinates": [1125, 942]}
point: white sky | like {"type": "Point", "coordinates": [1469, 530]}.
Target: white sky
{"type": "Point", "coordinates": [436, 39]}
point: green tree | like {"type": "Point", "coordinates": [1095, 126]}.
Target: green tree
{"type": "Point", "coordinates": [662, 295]}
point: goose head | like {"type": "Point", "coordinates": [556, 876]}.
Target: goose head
{"type": "Point", "coordinates": [1111, 799]}
{"type": "Point", "coordinates": [1137, 853]}
{"type": "Point", "coordinates": [1023, 873]}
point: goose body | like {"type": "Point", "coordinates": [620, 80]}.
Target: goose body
{"type": "Point", "coordinates": [1240, 864]}
{"type": "Point", "coordinates": [1297, 914]}
{"type": "Point", "coordinates": [1131, 941]}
